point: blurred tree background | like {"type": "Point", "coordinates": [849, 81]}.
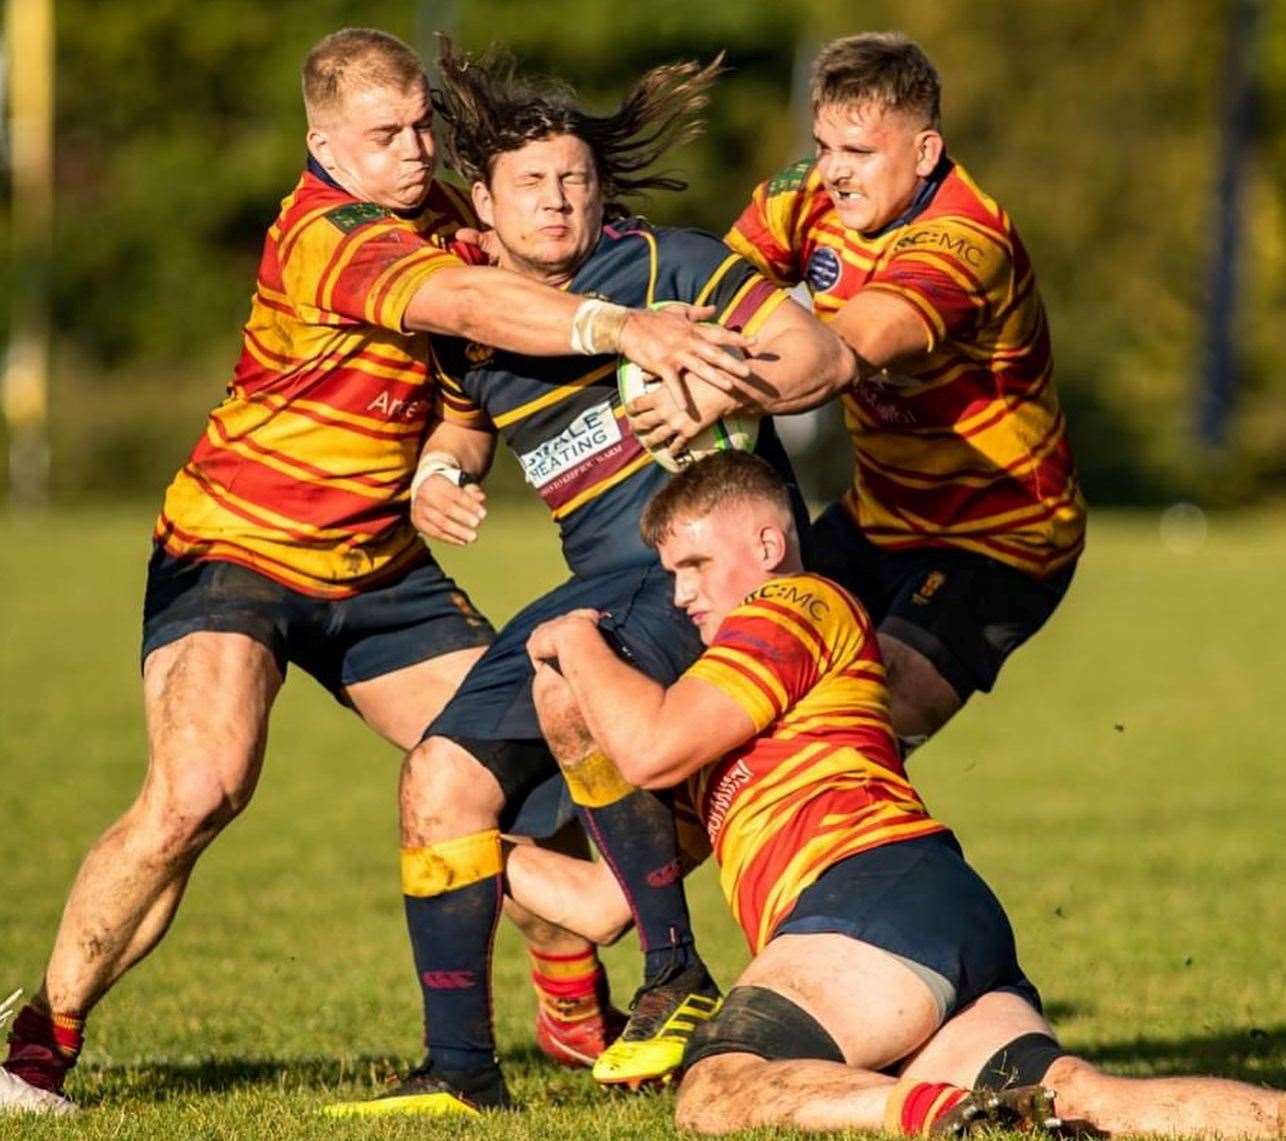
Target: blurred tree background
{"type": "Point", "coordinates": [179, 128]}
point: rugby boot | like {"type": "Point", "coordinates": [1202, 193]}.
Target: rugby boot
{"type": "Point", "coordinates": [575, 1027]}
{"type": "Point", "coordinates": [434, 1092]}
{"type": "Point", "coordinates": [663, 1016]}
{"type": "Point", "coordinates": [1023, 1109]}
{"type": "Point", "coordinates": [18, 1096]}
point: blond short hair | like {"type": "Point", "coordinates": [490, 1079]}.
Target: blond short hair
{"type": "Point", "coordinates": [355, 58]}
{"type": "Point", "coordinates": [880, 67]}
{"type": "Point", "coordinates": [719, 480]}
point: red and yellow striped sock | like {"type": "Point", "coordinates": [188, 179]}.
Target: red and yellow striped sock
{"type": "Point", "coordinates": [44, 1045]}
{"type": "Point", "coordinates": [915, 1107]}
{"type": "Point", "coordinates": [567, 986]}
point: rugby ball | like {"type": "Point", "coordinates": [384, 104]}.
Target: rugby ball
{"type": "Point", "coordinates": [738, 432]}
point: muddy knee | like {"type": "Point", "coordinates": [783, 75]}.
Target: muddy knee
{"type": "Point", "coordinates": [445, 792]}
{"type": "Point", "coordinates": [176, 818]}
{"type": "Point", "coordinates": [561, 720]}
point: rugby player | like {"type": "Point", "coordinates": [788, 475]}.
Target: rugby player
{"type": "Point", "coordinates": [963, 525]}
{"type": "Point", "coordinates": [549, 178]}
{"type": "Point", "coordinates": [287, 535]}
{"type": "Point", "coordinates": [885, 990]}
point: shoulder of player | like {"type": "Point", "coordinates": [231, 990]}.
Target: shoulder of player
{"type": "Point", "coordinates": [798, 178]}
{"type": "Point", "coordinates": [678, 244]}
{"type": "Point", "coordinates": [811, 595]}
{"type": "Point", "coordinates": [961, 204]}
{"type": "Point", "coordinates": [326, 216]}
{"type": "Point", "coordinates": [968, 236]}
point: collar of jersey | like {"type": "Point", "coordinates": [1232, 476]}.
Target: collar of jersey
{"type": "Point", "coordinates": [923, 196]}
{"type": "Point", "coordinates": [318, 171]}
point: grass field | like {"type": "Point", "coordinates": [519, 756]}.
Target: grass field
{"type": "Point", "coordinates": [1123, 792]}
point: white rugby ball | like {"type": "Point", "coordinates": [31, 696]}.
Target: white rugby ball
{"type": "Point", "coordinates": [736, 433]}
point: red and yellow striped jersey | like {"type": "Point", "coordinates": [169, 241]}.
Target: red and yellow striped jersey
{"type": "Point", "coordinates": [965, 446]}
{"type": "Point", "coordinates": [822, 779]}
{"type": "Point", "coordinates": [304, 470]}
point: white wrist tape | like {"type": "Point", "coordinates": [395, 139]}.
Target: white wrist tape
{"type": "Point", "coordinates": [596, 327]}
{"type": "Point", "coordinates": [437, 463]}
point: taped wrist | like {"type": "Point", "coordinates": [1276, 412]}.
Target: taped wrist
{"type": "Point", "coordinates": [597, 326]}
{"type": "Point", "coordinates": [438, 463]}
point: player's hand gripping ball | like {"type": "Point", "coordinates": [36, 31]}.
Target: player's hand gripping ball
{"type": "Point", "coordinates": [736, 432]}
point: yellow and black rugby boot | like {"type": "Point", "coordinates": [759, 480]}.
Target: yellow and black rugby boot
{"type": "Point", "coordinates": [437, 1093]}
{"type": "Point", "coordinates": [663, 1016]}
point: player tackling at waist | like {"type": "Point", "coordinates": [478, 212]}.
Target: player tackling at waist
{"type": "Point", "coordinates": [885, 990]}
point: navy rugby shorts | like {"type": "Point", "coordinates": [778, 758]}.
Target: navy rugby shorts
{"type": "Point", "coordinates": [493, 715]}
{"type": "Point", "coordinates": [340, 642]}
{"type": "Point", "coordinates": [965, 612]}
{"type": "Point", "coordinates": [920, 901]}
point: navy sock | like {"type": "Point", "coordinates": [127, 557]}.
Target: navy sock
{"type": "Point", "coordinates": [636, 837]}
{"type": "Point", "coordinates": [452, 936]}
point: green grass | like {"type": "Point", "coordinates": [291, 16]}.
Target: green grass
{"type": "Point", "coordinates": [1122, 791]}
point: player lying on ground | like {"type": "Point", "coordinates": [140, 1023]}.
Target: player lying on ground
{"type": "Point", "coordinates": [550, 178]}
{"type": "Point", "coordinates": [287, 537]}
{"type": "Point", "coordinates": [885, 986]}
{"type": "Point", "coordinates": [962, 528]}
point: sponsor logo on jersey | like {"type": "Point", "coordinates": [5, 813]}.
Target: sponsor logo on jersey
{"type": "Point", "coordinates": [792, 178]}
{"type": "Point", "coordinates": [721, 796]}
{"type": "Point", "coordinates": [585, 439]}
{"type": "Point", "coordinates": [928, 588]}
{"type": "Point", "coordinates": [788, 592]}
{"type": "Point", "coordinates": [958, 245]}
{"type": "Point", "coordinates": [824, 269]}
{"type": "Point", "coordinates": [395, 408]}
{"type": "Point", "coordinates": [348, 218]}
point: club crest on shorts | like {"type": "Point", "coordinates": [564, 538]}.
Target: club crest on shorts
{"type": "Point", "coordinates": [824, 269]}
{"type": "Point", "coordinates": [928, 588]}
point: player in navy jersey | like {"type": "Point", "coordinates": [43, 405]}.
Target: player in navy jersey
{"type": "Point", "coordinates": [548, 178]}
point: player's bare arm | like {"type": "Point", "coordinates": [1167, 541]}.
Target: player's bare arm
{"type": "Point", "coordinates": [479, 302]}
{"type": "Point", "coordinates": [797, 364]}
{"type": "Point", "coordinates": [655, 736]}
{"type": "Point", "coordinates": [881, 330]}
{"type": "Point", "coordinates": [447, 499]}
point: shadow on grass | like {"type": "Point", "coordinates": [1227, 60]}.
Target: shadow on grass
{"type": "Point", "coordinates": [1255, 1054]}
{"type": "Point", "coordinates": [163, 1080]}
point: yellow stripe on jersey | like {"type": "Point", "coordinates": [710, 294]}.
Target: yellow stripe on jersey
{"type": "Point", "coordinates": [715, 278]}
{"type": "Point", "coordinates": [594, 492]}
{"type": "Point", "coordinates": [554, 396]}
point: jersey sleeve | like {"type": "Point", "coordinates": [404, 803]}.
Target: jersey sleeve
{"type": "Point", "coordinates": [773, 648]}
{"type": "Point", "coordinates": [454, 402]}
{"type": "Point", "coordinates": [954, 273]}
{"type": "Point", "coordinates": [696, 267]}
{"type": "Point", "coordinates": [764, 234]}
{"type": "Point", "coordinates": [361, 264]}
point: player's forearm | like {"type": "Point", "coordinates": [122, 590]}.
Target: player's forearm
{"type": "Point", "coordinates": [470, 449]}
{"type": "Point", "coordinates": [495, 307]}
{"type": "Point", "coordinates": [800, 369]}
{"type": "Point", "coordinates": [625, 712]}
{"type": "Point", "coordinates": [881, 329]}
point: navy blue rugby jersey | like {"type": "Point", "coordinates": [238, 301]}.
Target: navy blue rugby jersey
{"type": "Point", "coordinates": [562, 416]}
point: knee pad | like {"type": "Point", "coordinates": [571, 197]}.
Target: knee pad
{"type": "Point", "coordinates": [755, 1020]}
{"type": "Point", "coordinates": [1022, 1062]}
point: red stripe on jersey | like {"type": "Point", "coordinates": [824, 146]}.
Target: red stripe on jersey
{"type": "Point", "coordinates": [603, 465]}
